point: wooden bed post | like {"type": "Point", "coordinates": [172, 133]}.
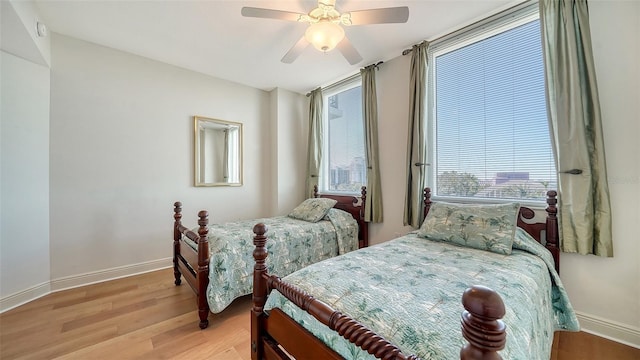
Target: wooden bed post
{"type": "Point", "coordinates": [426, 196]}
{"type": "Point", "coordinates": [259, 291]}
{"type": "Point", "coordinates": [481, 324]}
{"type": "Point", "coordinates": [552, 228]}
{"type": "Point", "coordinates": [365, 228]}
{"type": "Point", "coordinates": [177, 216]}
{"type": "Point", "coordinates": [203, 268]}
{"type": "Point", "coordinates": [315, 191]}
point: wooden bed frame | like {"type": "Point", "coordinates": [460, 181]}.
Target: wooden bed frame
{"type": "Point", "coordinates": [194, 265]}
{"type": "Point", "coordinates": [276, 336]}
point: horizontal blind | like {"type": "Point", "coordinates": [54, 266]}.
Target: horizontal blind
{"type": "Point", "coordinates": [489, 111]}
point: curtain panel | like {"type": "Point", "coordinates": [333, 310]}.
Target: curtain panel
{"type": "Point", "coordinates": [576, 129]}
{"type": "Point", "coordinates": [417, 137]}
{"type": "Point", "coordinates": [314, 152]}
{"type": "Point", "coordinates": [373, 206]}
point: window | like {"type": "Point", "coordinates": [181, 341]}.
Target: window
{"type": "Point", "coordinates": [343, 167]}
{"type": "Point", "coordinates": [489, 120]}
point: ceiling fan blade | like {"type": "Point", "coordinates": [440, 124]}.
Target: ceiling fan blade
{"type": "Point", "coordinates": [270, 14]}
{"type": "Point", "coordinates": [348, 51]}
{"type": "Point", "coordinates": [380, 16]}
{"type": "Point", "coordinates": [295, 51]}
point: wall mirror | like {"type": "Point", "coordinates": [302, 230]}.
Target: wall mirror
{"type": "Point", "coordinates": [217, 152]}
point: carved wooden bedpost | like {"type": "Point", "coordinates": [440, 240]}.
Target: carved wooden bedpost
{"type": "Point", "coordinates": [365, 228]}
{"type": "Point", "coordinates": [177, 216]}
{"type": "Point", "coordinates": [552, 226]}
{"type": "Point", "coordinates": [259, 290]}
{"type": "Point", "coordinates": [315, 191]}
{"type": "Point", "coordinates": [426, 196]}
{"type": "Point", "coordinates": [203, 268]}
{"type": "Point", "coordinates": [481, 325]}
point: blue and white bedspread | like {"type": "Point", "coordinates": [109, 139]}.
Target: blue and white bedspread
{"type": "Point", "coordinates": [296, 243]}
{"type": "Point", "coordinates": [409, 291]}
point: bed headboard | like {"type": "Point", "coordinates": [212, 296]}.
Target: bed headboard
{"type": "Point", "coordinates": [354, 206]}
{"type": "Point", "coordinates": [546, 233]}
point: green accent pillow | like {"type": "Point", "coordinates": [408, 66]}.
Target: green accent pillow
{"type": "Point", "coordinates": [313, 210]}
{"type": "Point", "coordinates": [484, 227]}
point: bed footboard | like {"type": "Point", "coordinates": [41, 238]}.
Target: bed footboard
{"type": "Point", "coordinates": [481, 324]}
{"type": "Point", "coordinates": [191, 264]}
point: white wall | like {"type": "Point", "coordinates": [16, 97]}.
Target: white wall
{"type": "Point", "coordinates": [24, 184]}
{"type": "Point", "coordinates": [121, 155]}
{"type": "Point", "coordinates": [289, 139]}
{"type": "Point", "coordinates": [392, 85]}
{"type": "Point", "coordinates": [604, 291]}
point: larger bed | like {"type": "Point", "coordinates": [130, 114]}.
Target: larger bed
{"type": "Point", "coordinates": [403, 297]}
{"type": "Point", "coordinates": [216, 261]}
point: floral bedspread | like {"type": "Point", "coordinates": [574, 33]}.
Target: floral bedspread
{"type": "Point", "coordinates": [297, 244]}
{"type": "Point", "coordinates": [409, 291]}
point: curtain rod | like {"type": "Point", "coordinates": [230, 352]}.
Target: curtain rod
{"type": "Point", "coordinates": [347, 79]}
{"type": "Point", "coordinates": [474, 24]}
{"type": "Point", "coordinates": [408, 51]}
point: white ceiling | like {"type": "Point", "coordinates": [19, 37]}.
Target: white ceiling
{"type": "Point", "coordinates": [211, 37]}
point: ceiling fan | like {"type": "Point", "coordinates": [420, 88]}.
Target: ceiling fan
{"type": "Point", "coordinates": [325, 30]}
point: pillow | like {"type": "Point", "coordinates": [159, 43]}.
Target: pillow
{"type": "Point", "coordinates": [313, 210]}
{"type": "Point", "coordinates": [484, 227]}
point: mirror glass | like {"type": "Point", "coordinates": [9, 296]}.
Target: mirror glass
{"type": "Point", "coordinates": [218, 152]}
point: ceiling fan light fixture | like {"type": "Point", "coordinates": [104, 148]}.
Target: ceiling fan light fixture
{"type": "Point", "coordinates": [324, 35]}
{"type": "Point", "coordinates": [325, 30]}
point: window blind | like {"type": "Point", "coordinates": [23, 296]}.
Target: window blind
{"type": "Point", "coordinates": [489, 118]}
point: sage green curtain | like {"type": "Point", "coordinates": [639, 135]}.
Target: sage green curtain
{"type": "Point", "coordinates": [373, 206]}
{"type": "Point", "coordinates": [576, 129]}
{"type": "Point", "coordinates": [314, 153]}
{"type": "Point", "coordinates": [417, 137]}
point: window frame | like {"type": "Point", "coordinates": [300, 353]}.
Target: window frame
{"type": "Point", "coordinates": [484, 29]}
{"type": "Point", "coordinates": [324, 176]}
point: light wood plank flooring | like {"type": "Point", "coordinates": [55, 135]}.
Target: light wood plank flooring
{"type": "Point", "coordinates": [147, 317]}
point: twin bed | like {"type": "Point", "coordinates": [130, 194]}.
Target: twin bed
{"type": "Point", "coordinates": [402, 296]}
{"type": "Point", "coordinates": [216, 259]}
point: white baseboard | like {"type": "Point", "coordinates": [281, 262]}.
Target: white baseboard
{"type": "Point", "coordinates": [69, 282]}
{"type": "Point", "coordinates": [608, 329]}
{"type": "Point", "coordinates": [74, 281]}
{"type": "Point", "coordinates": [24, 296]}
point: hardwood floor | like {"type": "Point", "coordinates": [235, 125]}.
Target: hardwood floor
{"type": "Point", "coordinates": [147, 317]}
